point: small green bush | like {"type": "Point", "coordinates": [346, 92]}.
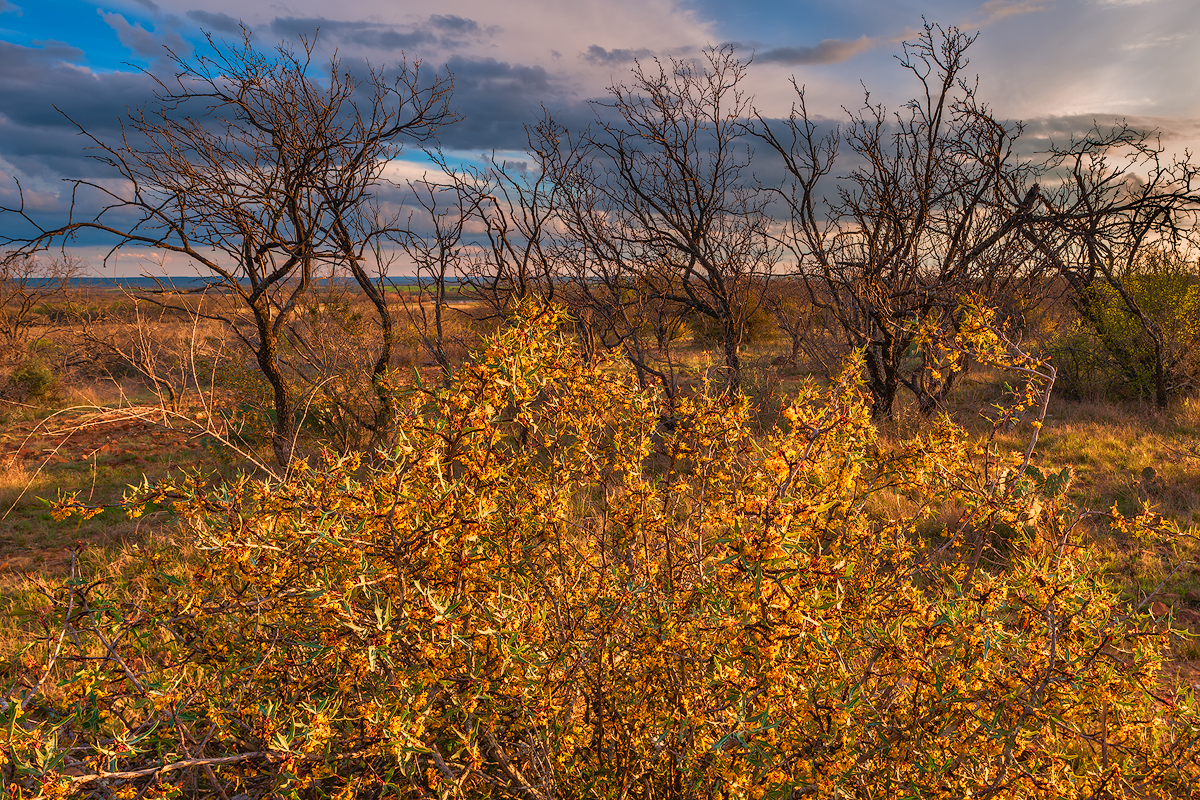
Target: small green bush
{"type": "Point", "coordinates": [1110, 351]}
{"type": "Point", "coordinates": [32, 382]}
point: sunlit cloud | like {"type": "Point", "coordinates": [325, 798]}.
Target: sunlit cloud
{"type": "Point", "coordinates": [1170, 40]}
{"type": "Point", "coordinates": [995, 10]}
{"type": "Point", "coordinates": [402, 171]}
{"type": "Point", "coordinates": [829, 51]}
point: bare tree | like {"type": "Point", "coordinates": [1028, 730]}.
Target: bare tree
{"type": "Point", "coordinates": [664, 207]}
{"type": "Point", "coordinates": [28, 283]}
{"type": "Point", "coordinates": [511, 207]}
{"type": "Point", "coordinates": [928, 212]}
{"type": "Point", "coordinates": [257, 171]}
{"type": "Point", "coordinates": [435, 244]}
{"type": "Point", "coordinates": [593, 273]}
{"type": "Point", "coordinates": [795, 314]}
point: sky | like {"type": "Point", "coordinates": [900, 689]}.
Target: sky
{"type": "Point", "coordinates": [1056, 65]}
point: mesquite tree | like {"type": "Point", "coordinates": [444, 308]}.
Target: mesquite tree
{"type": "Point", "coordinates": [1122, 219]}
{"type": "Point", "coordinates": [927, 213]}
{"type": "Point", "coordinates": [667, 208]}
{"type": "Point", "coordinates": [260, 171]}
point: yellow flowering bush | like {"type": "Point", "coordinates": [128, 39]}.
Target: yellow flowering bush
{"type": "Point", "coordinates": [548, 589]}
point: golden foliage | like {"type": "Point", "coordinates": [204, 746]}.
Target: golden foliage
{"type": "Point", "coordinates": [548, 590]}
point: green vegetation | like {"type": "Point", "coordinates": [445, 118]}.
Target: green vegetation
{"type": "Point", "coordinates": [1130, 353]}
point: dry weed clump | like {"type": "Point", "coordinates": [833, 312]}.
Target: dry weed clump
{"type": "Point", "coordinates": [15, 481]}
{"type": "Point", "coordinates": [548, 589]}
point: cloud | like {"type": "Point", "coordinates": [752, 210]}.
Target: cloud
{"type": "Point", "coordinates": [497, 100]}
{"type": "Point", "coordinates": [401, 171]}
{"type": "Point", "coordinates": [1061, 127]}
{"type": "Point", "coordinates": [60, 50]}
{"type": "Point", "coordinates": [40, 145]}
{"type": "Point", "coordinates": [829, 51]}
{"type": "Point", "coordinates": [996, 10]}
{"type": "Point", "coordinates": [149, 4]}
{"type": "Point", "coordinates": [610, 58]}
{"type": "Point", "coordinates": [20, 188]}
{"type": "Point", "coordinates": [454, 23]}
{"type": "Point", "coordinates": [36, 137]}
{"type": "Point", "coordinates": [215, 21]}
{"type": "Point", "coordinates": [445, 30]}
{"type": "Point", "coordinates": [151, 45]}
{"type": "Point", "coordinates": [366, 34]}
{"type": "Point", "coordinates": [7, 7]}
{"type": "Point", "coordinates": [1168, 40]}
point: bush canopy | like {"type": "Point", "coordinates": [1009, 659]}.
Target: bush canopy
{"type": "Point", "coordinates": [548, 589]}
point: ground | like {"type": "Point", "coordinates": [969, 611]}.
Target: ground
{"type": "Point", "coordinates": [94, 452]}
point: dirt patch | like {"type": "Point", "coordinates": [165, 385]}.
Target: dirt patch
{"type": "Point", "coordinates": [126, 436]}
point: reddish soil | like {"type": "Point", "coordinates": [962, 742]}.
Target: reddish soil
{"type": "Point", "coordinates": [119, 437]}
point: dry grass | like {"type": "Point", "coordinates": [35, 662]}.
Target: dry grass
{"type": "Point", "coordinates": [1131, 454]}
{"type": "Point", "coordinates": [1134, 458]}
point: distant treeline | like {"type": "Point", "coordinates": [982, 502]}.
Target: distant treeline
{"type": "Point", "coordinates": [136, 282]}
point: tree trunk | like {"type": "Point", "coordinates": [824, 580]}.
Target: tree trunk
{"type": "Point", "coordinates": [732, 330]}
{"type": "Point", "coordinates": [283, 436]}
{"type": "Point", "coordinates": [1161, 395]}
{"type": "Point", "coordinates": [881, 381]}
{"type": "Point", "coordinates": [385, 415]}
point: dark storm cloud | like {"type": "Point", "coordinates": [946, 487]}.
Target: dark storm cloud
{"type": "Point", "coordinates": [41, 147]}
{"type": "Point", "coordinates": [830, 51]}
{"type": "Point", "coordinates": [214, 21]}
{"type": "Point", "coordinates": [496, 100]}
{"type": "Point", "coordinates": [36, 137]}
{"type": "Point", "coordinates": [598, 55]}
